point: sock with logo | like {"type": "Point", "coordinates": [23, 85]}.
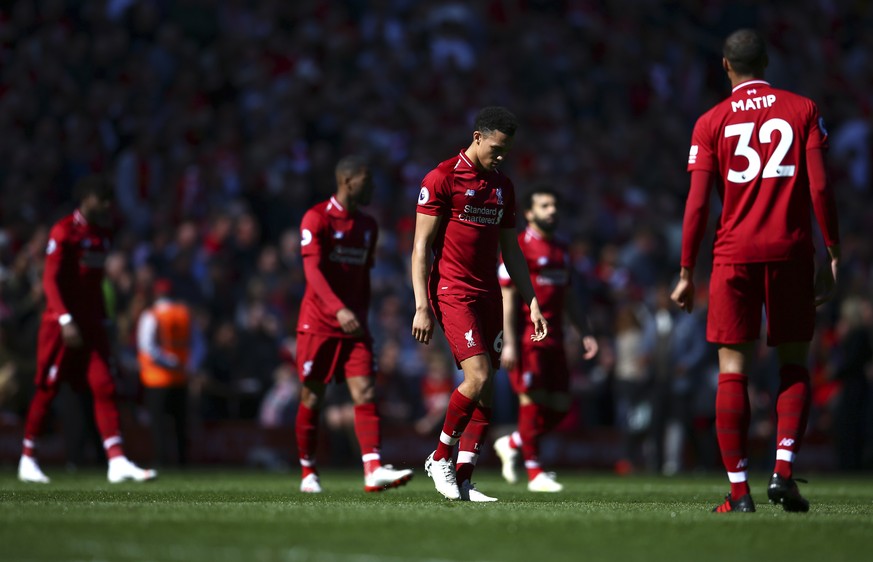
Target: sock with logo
{"type": "Point", "coordinates": [306, 431]}
{"type": "Point", "coordinates": [471, 442]}
{"type": "Point", "coordinates": [792, 414]}
{"type": "Point", "coordinates": [732, 416]}
{"type": "Point", "coordinates": [458, 415]}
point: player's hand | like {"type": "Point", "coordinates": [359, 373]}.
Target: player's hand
{"type": "Point", "coordinates": [683, 294]}
{"type": "Point", "coordinates": [541, 326]}
{"type": "Point", "coordinates": [591, 347]}
{"type": "Point", "coordinates": [508, 356]}
{"type": "Point", "coordinates": [422, 325]}
{"type": "Point", "coordinates": [825, 281]}
{"type": "Point", "coordinates": [349, 322]}
{"type": "Point", "coordinates": [71, 334]}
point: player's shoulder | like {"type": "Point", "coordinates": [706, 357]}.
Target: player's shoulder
{"type": "Point", "coordinates": [443, 170]}
{"type": "Point", "coordinates": [316, 213]}
{"type": "Point", "coordinates": [63, 227]}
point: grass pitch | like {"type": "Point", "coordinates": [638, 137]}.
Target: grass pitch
{"type": "Point", "coordinates": [231, 516]}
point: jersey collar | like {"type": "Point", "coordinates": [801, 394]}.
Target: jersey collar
{"type": "Point", "coordinates": [79, 218]}
{"type": "Point", "coordinates": [463, 158]}
{"type": "Point", "coordinates": [749, 83]}
{"type": "Point", "coordinates": [336, 207]}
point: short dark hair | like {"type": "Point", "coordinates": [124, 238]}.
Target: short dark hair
{"type": "Point", "coordinates": [746, 51]}
{"type": "Point", "coordinates": [351, 164]}
{"type": "Point", "coordinates": [495, 118]}
{"type": "Point", "coordinates": [95, 184]}
{"type": "Point", "coordinates": [528, 199]}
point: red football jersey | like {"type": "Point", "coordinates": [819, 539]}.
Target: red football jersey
{"type": "Point", "coordinates": [474, 206]}
{"type": "Point", "coordinates": [548, 260]}
{"type": "Point", "coordinates": [343, 244]}
{"type": "Point", "coordinates": [73, 274]}
{"type": "Point", "coordinates": [755, 142]}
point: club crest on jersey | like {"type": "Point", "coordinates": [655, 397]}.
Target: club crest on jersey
{"type": "Point", "coordinates": [542, 260]}
{"type": "Point", "coordinates": [338, 235]}
{"type": "Point", "coordinates": [468, 335]}
{"type": "Point", "coordinates": [423, 196]}
{"type": "Point", "coordinates": [499, 192]}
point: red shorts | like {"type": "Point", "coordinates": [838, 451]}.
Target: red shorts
{"type": "Point", "coordinates": [472, 325]}
{"type": "Point", "coordinates": [738, 292]}
{"type": "Point", "coordinates": [541, 368]}
{"type": "Point", "coordinates": [325, 358]}
{"type": "Point", "coordinates": [80, 367]}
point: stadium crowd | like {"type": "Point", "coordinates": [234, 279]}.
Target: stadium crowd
{"type": "Point", "coordinates": [221, 122]}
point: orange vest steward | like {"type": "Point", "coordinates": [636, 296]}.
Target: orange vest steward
{"type": "Point", "coordinates": [174, 336]}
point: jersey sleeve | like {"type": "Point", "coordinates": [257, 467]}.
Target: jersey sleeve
{"type": "Point", "coordinates": [702, 154]}
{"type": "Point", "coordinates": [57, 254]}
{"type": "Point", "coordinates": [312, 229]}
{"type": "Point", "coordinates": [435, 197]}
{"type": "Point", "coordinates": [817, 137]}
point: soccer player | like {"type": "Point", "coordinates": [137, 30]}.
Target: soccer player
{"type": "Point", "coordinates": [538, 370]}
{"type": "Point", "coordinates": [466, 214]}
{"type": "Point", "coordinates": [167, 355]}
{"type": "Point", "coordinates": [333, 341]}
{"type": "Point", "coordinates": [73, 344]}
{"type": "Point", "coordinates": [763, 148]}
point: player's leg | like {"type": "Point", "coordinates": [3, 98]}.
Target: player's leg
{"type": "Point", "coordinates": [733, 322]}
{"type": "Point", "coordinates": [362, 387]}
{"type": "Point", "coordinates": [106, 415]}
{"type": "Point", "coordinates": [790, 325]}
{"type": "Point", "coordinates": [317, 357]}
{"type": "Point", "coordinates": [550, 408]}
{"type": "Point", "coordinates": [53, 362]}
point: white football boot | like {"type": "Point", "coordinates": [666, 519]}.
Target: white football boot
{"type": "Point", "coordinates": [311, 484]}
{"type": "Point", "coordinates": [544, 482]}
{"type": "Point", "coordinates": [508, 458]}
{"type": "Point", "coordinates": [469, 493]}
{"type": "Point", "coordinates": [122, 470]}
{"type": "Point", "coordinates": [386, 477]}
{"type": "Point", "coordinates": [443, 475]}
{"type": "Point", "coordinates": [29, 471]}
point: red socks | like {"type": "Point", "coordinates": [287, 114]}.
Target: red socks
{"type": "Point", "coordinates": [306, 430]}
{"type": "Point", "coordinates": [534, 421]}
{"type": "Point", "coordinates": [792, 414]}
{"type": "Point", "coordinates": [732, 416]}
{"type": "Point", "coordinates": [471, 442]}
{"type": "Point", "coordinates": [458, 415]}
{"type": "Point", "coordinates": [368, 434]}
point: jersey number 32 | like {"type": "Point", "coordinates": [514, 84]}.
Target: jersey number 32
{"type": "Point", "coordinates": [774, 167]}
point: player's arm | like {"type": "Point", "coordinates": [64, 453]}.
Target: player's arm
{"type": "Point", "coordinates": [580, 320]}
{"type": "Point", "coordinates": [426, 228]}
{"type": "Point", "coordinates": [509, 353]}
{"type": "Point", "coordinates": [825, 208]}
{"type": "Point", "coordinates": [58, 259]}
{"type": "Point", "coordinates": [517, 268]}
{"type": "Point", "coordinates": [311, 235]}
{"type": "Point", "coordinates": [693, 229]}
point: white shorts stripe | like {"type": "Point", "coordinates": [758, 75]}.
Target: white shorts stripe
{"type": "Point", "coordinates": [467, 457]}
{"type": "Point", "coordinates": [737, 477]}
{"type": "Point", "coordinates": [447, 439]}
{"type": "Point", "coordinates": [784, 455]}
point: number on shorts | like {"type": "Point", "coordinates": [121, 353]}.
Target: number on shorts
{"type": "Point", "coordinates": [498, 342]}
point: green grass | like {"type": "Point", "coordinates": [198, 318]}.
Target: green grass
{"type": "Point", "coordinates": [230, 516]}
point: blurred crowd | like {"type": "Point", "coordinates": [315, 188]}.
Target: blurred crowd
{"type": "Point", "coordinates": [221, 121]}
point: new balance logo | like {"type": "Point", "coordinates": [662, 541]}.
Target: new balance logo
{"type": "Point", "coordinates": [786, 442]}
{"type": "Point", "coordinates": [742, 464]}
{"type": "Point", "coordinates": [470, 192]}
{"type": "Point", "coordinates": [469, 336]}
